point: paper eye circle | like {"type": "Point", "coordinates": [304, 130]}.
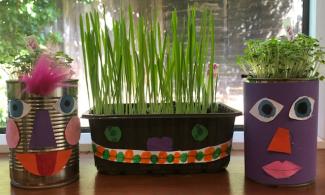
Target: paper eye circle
{"type": "Point", "coordinates": [302, 108]}
{"type": "Point", "coordinates": [266, 109]}
{"type": "Point", "coordinates": [18, 108]}
{"type": "Point", "coordinates": [199, 132]}
{"type": "Point", "coordinates": [66, 104]}
{"type": "Point", "coordinates": [113, 134]}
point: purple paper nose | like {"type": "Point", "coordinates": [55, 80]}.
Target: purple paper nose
{"type": "Point", "coordinates": [159, 144]}
{"type": "Point", "coordinates": [42, 135]}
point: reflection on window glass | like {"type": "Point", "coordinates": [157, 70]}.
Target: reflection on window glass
{"type": "Point", "coordinates": [235, 22]}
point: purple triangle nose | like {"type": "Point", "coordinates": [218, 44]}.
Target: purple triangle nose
{"type": "Point", "coordinates": [42, 135]}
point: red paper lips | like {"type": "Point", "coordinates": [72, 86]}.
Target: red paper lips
{"type": "Point", "coordinates": [44, 163]}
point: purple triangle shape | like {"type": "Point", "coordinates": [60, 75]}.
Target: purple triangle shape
{"type": "Point", "coordinates": [42, 135]}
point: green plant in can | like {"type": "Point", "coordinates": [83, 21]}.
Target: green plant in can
{"type": "Point", "coordinates": [282, 58]}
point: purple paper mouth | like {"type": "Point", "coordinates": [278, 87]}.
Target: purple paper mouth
{"type": "Point", "coordinates": [159, 144]}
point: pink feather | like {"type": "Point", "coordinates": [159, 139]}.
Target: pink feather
{"type": "Point", "coordinates": [45, 77]}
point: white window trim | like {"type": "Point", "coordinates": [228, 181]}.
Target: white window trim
{"type": "Point", "coordinates": [317, 29]}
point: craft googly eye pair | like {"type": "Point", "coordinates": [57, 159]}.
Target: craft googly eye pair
{"type": "Point", "coordinates": [267, 109]}
{"type": "Point", "coordinates": [18, 108]}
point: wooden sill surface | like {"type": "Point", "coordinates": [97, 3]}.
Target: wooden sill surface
{"type": "Point", "coordinates": [230, 181]}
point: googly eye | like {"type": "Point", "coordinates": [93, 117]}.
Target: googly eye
{"type": "Point", "coordinates": [18, 109]}
{"type": "Point", "coordinates": [66, 105]}
{"type": "Point", "coordinates": [302, 108]}
{"type": "Point", "coordinates": [266, 109]}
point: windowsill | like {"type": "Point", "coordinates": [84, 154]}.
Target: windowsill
{"type": "Point", "coordinates": [85, 142]}
{"type": "Point", "coordinates": [229, 181]}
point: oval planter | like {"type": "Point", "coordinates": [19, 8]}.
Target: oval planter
{"type": "Point", "coordinates": [139, 144]}
{"type": "Point", "coordinates": [42, 134]}
{"type": "Point", "coordinates": [281, 131]}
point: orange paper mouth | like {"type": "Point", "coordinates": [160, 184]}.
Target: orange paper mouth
{"type": "Point", "coordinates": [44, 163]}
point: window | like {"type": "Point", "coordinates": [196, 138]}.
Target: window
{"type": "Point", "coordinates": [235, 22]}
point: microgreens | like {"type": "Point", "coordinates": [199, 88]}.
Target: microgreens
{"type": "Point", "coordinates": [298, 58]}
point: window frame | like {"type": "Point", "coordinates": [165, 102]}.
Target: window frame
{"type": "Point", "coordinates": [317, 29]}
{"type": "Point", "coordinates": [311, 25]}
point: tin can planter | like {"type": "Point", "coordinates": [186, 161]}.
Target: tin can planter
{"type": "Point", "coordinates": [42, 134]}
{"type": "Point", "coordinates": [163, 144]}
{"type": "Point", "coordinates": [281, 131]}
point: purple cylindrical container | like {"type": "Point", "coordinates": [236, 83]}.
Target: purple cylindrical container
{"type": "Point", "coordinates": [281, 131]}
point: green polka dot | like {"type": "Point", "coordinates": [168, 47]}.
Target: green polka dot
{"type": "Point", "coordinates": [170, 158]}
{"type": "Point", "coordinates": [136, 158]}
{"type": "Point", "coordinates": [199, 132]}
{"type": "Point", "coordinates": [113, 134]}
{"type": "Point", "coordinates": [184, 157]}
{"type": "Point", "coordinates": [94, 148]}
{"type": "Point", "coordinates": [154, 159]}
{"type": "Point", "coordinates": [216, 153]}
{"type": "Point", "coordinates": [199, 156]}
{"type": "Point", "coordinates": [120, 157]}
{"type": "Point", "coordinates": [105, 154]}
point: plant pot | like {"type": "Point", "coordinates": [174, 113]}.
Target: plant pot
{"type": "Point", "coordinates": [281, 131]}
{"type": "Point", "coordinates": [42, 134]}
{"type": "Point", "coordinates": [167, 143]}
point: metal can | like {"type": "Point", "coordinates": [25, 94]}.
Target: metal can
{"type": "Point", "coordinates": [43, 156]}
{"type": "Point", "coordinates": [281, 131]}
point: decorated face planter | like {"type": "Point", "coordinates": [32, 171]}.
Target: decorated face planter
{"type": "Point", "coordinates": [42, 134]}
{"type": "Point", "coordinates": [281, 132]}
{"type": "Point", "coordinates": [162, 143]}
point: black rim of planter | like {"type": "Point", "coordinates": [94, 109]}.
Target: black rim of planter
{"type": "Point", "coordinates": [262, 80]}
{"type": "Point", "coordinates": [231, 112]}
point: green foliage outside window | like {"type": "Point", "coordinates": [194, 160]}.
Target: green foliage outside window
{"type": "Point", "coordinates": [21, 18]}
